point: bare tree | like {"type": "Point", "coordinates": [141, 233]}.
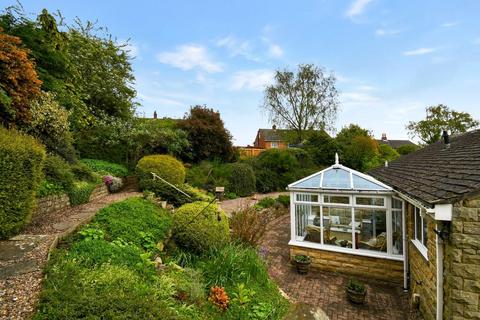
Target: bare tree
{"type": "Point", "coordinates": [302, 101]}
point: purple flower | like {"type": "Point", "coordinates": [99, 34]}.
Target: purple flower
{"type": "Point", "coordinates": [263, 252]}
{"type": "Point", "coordinates": [108, 180]}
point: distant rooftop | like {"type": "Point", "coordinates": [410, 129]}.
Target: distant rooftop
{"type": "Point", "coordinates": [394, 143]}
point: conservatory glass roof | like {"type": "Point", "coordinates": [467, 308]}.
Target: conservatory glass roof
{"type": "Point", "coordinates": [338, 177]}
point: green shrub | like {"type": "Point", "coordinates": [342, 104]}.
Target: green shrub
{"type": "Point", "coordinates": [48, 188]}
{"type": "Point", "coordinates": [266, 202]}
{"type": "Point", "coordinates": [406, 149]}
{"type": "Point", "coordinates": [241, 180]}
{"type": "Point", "coordinates": [84, 173]}
{"type": "Point", "coordinates": [275, 169]}
{"type": "Point", "coordinates": [208, 175]}
{"type": "Point", "coordinates": [234, 266]}
{"type": "Point", "coordinates": [126, 219]}
{"type": "Point", "coordinates": [21, 163]}
{"type": "Point", "coordinates": [80, 192]}
{"type": "Point", "coordinates": [199, 231]}
{"type": "Point", "coordinates": [58, 171]}
{"type": "Point", "coordinates": [106, 168]}
{"type": "Point", "coordinates": [284, 200]}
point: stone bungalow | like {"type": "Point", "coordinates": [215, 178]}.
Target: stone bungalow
{"type": "Point", "coordinates": [415, 222]}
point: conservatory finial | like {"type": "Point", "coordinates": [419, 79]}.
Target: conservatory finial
{"type": "Point", "coordinates": [336, 158]}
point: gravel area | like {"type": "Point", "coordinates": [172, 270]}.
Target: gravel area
{"type": "Point", "coordinates": [23, 257]}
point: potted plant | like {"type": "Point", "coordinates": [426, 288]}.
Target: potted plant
{"type": "Point", "coordinates": [302, 263]}
{"type": "Point", "coordinates": [356, 291]}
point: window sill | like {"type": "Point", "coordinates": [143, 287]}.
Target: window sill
{"type": "Point", "coordinates": [355, 252]}
{"type": "Point", "coordinates": [421, 248]}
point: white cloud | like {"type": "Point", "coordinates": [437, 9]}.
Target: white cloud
{"type": "Point", "coordinates": [357, 8]}
{"type": "Point", "coordinates": [275, 50]}
{"type": "Point", "coordinates": [188, 57]}
{"type": "Point", "coordinates": [450, 24]}
{"type": "Point", "coordinates": [387, 32]}
{"type": "Point", "coordinates": [252, 79]}
{"type": "Point", "coordinates": [360, 96]}
{"type": "Point", "coordinates": [237, 47]}
{"type": "Point", "coordinates": [419, 51]}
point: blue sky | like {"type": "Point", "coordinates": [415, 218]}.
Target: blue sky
{"type": "Point", "coordinates": [391, 58]}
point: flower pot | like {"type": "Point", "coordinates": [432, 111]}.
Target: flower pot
{"type": "Point", "coordinates": [355, 296]}
{"type": "Point", "coordinates": [302, 266]}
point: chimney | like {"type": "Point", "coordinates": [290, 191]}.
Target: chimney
{"type": "Point", "coordinates": [155, 114]}
{"type": "Point", "coordinates": [274, 127]}
{"type": "Point", "coordinates": [384, 137]}
{"type": "Point", "coordinates": [446, 138]}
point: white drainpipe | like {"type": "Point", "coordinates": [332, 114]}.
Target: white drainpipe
{"type": "Point", "coordinates": [439, 250]}
{"type": "Point", "coordinates": [405, 247]}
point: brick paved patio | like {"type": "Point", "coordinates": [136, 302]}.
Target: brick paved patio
{"type": "Point", "coordinates": [326, 289]}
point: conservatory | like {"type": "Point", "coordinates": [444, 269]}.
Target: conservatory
{"type": "Point", "coordinates": [345, 212]}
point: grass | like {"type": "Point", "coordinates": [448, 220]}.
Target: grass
{"type": "Point", "coordinates": [106, 168]}
{"type": "Point", "coordinates": [106, 271]}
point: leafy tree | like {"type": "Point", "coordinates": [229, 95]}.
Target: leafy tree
{"type": "Point", "coordinates": [19, 83]}
{"type": "Point", "coordinates": [50, 125]}
{"type": "Point", "coordinates": [387, 153]}
{"type": "Point", "coordinates": [103, 76]}
{"type": "Point", "coordinates": [406, 149]}
{"type": "Point", "coordinates": [321, 147]}
{"type": "Point", "coordinates": [358, 150]}
{"type": "Point", "coordinates": [209, 139]}
{"type": "Point", "coordinates": [439, 118]}
{"type": "Point", "coordinates": [302, 101]}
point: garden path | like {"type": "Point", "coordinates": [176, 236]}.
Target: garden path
{"type": "Point", "coordinates": [326, 290]}
{"type": "Point", "coordinates": [232, 205]}
{"type": "Point", "coordinates": [23, 257]}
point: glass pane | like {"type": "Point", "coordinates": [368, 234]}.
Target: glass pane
{"type": "Point", "coordinates": [336, 199]}
{"type": "Point", "coordinates": [313, 182]}
{"type": "Point", "coordinates": [301, 216]}
{"type": "Point", "coordinates": [337, 226]}
{"type": "Point", "coordinates": [397, 204]}
{"type": "Point", "coordinates": [425, 232]}
{"type": "Point", "coordinates": [397, 229]}
{"type": "Point", "coordinates": [418, 225]}
{"type": "Point", "coordinates": [364, 184]}
{"type": "Point", "coordinates": [372, 225]}
{"type": "Point", "coordinates": [367, 201]}
{"type": "Point", "coordinates": [307, 197]}
{"type": "Point", "coordinates": [336, 178]}
{"type": "Point", "coordinates": [313, 228]}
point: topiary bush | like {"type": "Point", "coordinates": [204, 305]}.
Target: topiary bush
{"type": "Point", "coordinates": [106, 168]}
{"type": "Point", "coordinates": [241, 180]}
{"type": "Point", "coordinates": [199, 231]}
{"type": "Point", "coordinates": [21, 163]}
{"type": "Point", "coordinates": [166, 167]}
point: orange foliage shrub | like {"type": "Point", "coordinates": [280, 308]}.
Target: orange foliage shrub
{"type": "Point", "coordinates": [219, 297]}
{"type": "Point", "coordinates": [19, 83]}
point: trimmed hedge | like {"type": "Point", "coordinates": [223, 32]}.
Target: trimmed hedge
{"type": "Point", "coordinates": [80, 192]}
{"type": "Point", "coordinates": [241, 180]}
{"type": "Point", "coordinates": [199, 232]}
{"type": "Point", "coordinates": [106, 168]}
{"type": "Point", "coordinates": [21, 163]}
{"type": "Point", "coordinates": [168, 168]}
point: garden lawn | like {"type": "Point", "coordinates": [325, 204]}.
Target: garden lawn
{"type": "Point", "coordinates": [105, 271]}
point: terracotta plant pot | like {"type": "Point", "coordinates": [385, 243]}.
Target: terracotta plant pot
{"type": "Point", "coordinates": [302, 263]}
{"type": "Point", "coordinates": [355, 296]}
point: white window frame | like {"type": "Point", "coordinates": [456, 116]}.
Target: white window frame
{"type": "Point", "coordinates": [354, 251]}
{"type": "Point", "coordinates": [369, 206]}
{"type": "Point", "coordinates": [274, 145]}
{"type": "Point", "coordinates": [420, 245]}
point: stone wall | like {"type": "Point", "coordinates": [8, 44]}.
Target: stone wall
{"type": "Point", "coordinates": [423, 272]}
{"type": "Point", "coordinates": [52, 204]}
{"type": "Point", "coordinates": [462, 263]}
{"type": "Point", "coordinates": [375, 268]}
{"type": "Point", "coordinates": [60, 202]}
